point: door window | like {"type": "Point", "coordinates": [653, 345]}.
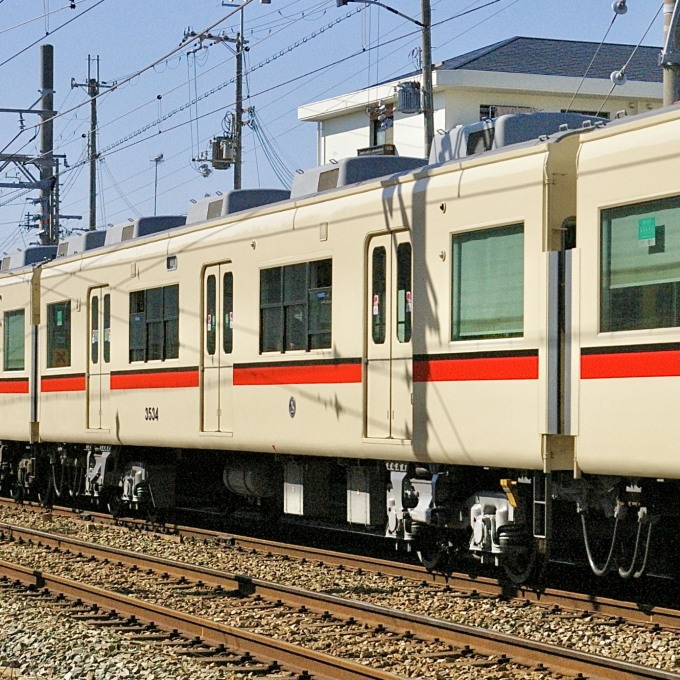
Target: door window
{"type": "Point", "coordinates": [379, 289]}
{"type": "Point", "coordinates": [211, 310]}
{"type": "Point", "coordinates": [404, 300]}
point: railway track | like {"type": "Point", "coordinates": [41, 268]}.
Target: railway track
{"type": "Point", "coordinates": [367, 625]}
{"type": "Point", "coordinates": [633, 612]}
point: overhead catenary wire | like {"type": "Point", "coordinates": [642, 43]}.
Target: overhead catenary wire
{"type": "Point", "coordinates": [330, 65]}
{"type": "Point", "coordinates": [38, 18]}
{"type": "Point", "coordinates": [592, 61]}
{"type": "Point", "coordinates": [622, 72]}
{"type": "Point", "coordinates": [116, 146]}
{"type": "Point", "coordinates": [66, 23]}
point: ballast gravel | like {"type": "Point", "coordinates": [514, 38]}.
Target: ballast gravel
{"type": "Point", "coordinates": [627, 642]}
{"type": "Point", "coordinates": [37, 641]}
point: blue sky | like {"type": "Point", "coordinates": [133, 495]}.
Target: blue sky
{"type": "Point", "coordinates": [129, 35]}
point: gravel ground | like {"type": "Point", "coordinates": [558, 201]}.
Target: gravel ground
{"type": "Point", "coordinates": [622, 641]}
{"type": "Point", "coordinates": [37, 641]}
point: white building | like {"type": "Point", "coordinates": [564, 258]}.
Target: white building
{"type": "Point", "coordinates": [515, 75]}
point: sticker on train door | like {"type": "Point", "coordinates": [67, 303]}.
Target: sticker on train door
{"type": "Point", "coordinates": [376, 305]}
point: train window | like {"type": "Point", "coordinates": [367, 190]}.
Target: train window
{"type": "Point", "coordinates": [15, 339]}
{"type": "Point", "coordinates": [228, 312]}
{"type": "Point", "coordinates": [295, 307]}
{"type": "Point", "coordinates": [379, 289]}
{"type": "Point", "coordinates": [640, 268]}
{"type": "Point", "coordinates": [154, 324]}
{"type": "Point", "coordinates": [211, 311]}
{"type": "Point", "coordinates": [488, 283]}
{"type": "Point", "coordinates": [320, 296]}
{"type": "Point", "coordinates": [137, 327]}
{"type": "Point", "coordinates": [107, 328]}
{"type": "Point", "coordinates": [59, 334]}
{"type": "Point", "coordinates": [94, 331]}
{"type": "Point", "coordinates": [171, 322]}
{"type": "Point", "coordinates": [404, 303]}
{"type": "Point", "coordinates": [294, 301]}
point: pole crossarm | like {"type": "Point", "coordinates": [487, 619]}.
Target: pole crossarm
{"type": "Point", "coordinates": [384, 6]}
{"type": "Point", "coordinates": [39, 112]}
{"type": "Point", "coordinates": [38, 184]}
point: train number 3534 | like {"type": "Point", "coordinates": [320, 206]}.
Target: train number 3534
{"type": "Point", "coordinates": [151, 413]}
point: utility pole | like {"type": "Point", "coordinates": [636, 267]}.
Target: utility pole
{"type": "Point", "coordinates": [157, 160]}
{"type": "Point", "coordinates": [238, 116]}
{"type": "Point", "coordinates": [670, 56]}
{"type": "Point", "coordinates": [48, 233]}
{"type": "Point", "coordinates": [93, 89]}
{"type": "Point", "coordinates": [46, 163]}
{"type": "Point", "coordinates": [236, 141]}
{"type": "Point", "coordinates": [425, 24]}
{"type": "Point", "coordinates": [428, 95]}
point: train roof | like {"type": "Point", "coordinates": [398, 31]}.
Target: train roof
{"type": "Point", "coordinates": [350, 171]}
{"type": "Point", "coordinates": [232, 202]}
{"type": "Point", "coordinates": [27, 257]}
{"type": "Point", "coordinates": [142, 226]}
{"type": "Point", "coordinates": [81, 242]}
{"type": "Point", "coordinates": [496, 133]}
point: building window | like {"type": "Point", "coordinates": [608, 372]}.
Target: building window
{"type": "Point", "coordinates": [640, 268]}
{"type": "Point", "coordinates": [295, 307]}
{"type": "Point", "coordinates": [601, 114]}
{"type": "Point", "coordinates": [154, 324]}
{"type": "Point", "coordinates": [59, 334]}
{"type": "Point", "coordinates": [487, 111]}
{"type": "Point", "coordinates": [15, 341]}
{"type": "Point", "coordinates": [488, 284]}
{"type": "Point", "coordinates": [382, 125]}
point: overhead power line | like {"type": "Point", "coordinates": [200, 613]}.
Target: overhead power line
{"type": "Point", "coordinates": [39, 40]}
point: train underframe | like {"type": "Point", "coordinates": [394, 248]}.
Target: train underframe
{"type": "Point", "coordinates": [512, 519]}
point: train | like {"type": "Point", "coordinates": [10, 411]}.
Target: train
{"type": "Point", "coordinates": [475, 355]}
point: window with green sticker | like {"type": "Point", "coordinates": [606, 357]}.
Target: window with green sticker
{"type": "Point", "coordinates": [640, 266]}
{"type": "Point", "coordinates": [59, 334]}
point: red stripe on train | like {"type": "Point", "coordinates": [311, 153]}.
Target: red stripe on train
{"type": "Point", "coordinates": [146, 380]}
{"type": "Point", "coordinates": [311, 374]}
{"type": "Point", "coordinates": [14, 386]}
{"type": "Point", "coordinates": [631, 365]}
{"type": "Point", "coordinates": [62, 383]}
{"type": "Point", "coordinates": [484, 368]}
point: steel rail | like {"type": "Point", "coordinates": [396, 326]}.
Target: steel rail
{"type": "Point", "coordinates": [642, 613]}
{"type": "Point", "coordinates": [291, 656]}
{"type": "Point", "coordinates": [485, 641]}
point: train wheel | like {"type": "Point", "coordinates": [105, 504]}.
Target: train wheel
{"type": "Point", "coordinates": [432, 551]}
{"type": "Point", "coordinates": [115, 506]}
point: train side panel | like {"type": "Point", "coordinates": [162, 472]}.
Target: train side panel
{"type": "Point", "coordinates": [15, 355]}
{"type": "Point", "coordinates": [482, 401]}
{"type": "Point", "coordinates": [627, 350]}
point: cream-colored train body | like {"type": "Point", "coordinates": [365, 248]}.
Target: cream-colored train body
{"type": "Point", "coordinates": [449, 346]}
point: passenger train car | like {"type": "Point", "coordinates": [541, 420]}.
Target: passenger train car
{"type": "Point", "coordinates": [477, 355]}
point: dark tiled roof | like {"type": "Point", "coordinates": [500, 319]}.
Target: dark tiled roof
{"type": "Point", "coordinates": [543, 56]}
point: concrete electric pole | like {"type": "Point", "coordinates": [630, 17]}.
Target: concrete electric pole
{"type": "Point", "coordinates": [670, 57]}
{"type": "Point", "coordinates": [93, 87]}
{"type": "Point", "coordinates": [236, 141]}
{"type": "Point", "coordinates": [48, 231]}
{"type": "Point", "coordinates": [425, 24]}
